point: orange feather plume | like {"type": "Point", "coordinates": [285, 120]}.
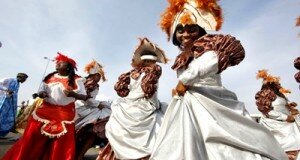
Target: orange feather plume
{"type": "Point", "coordinates": [262, 74]}
{"type": "Point", "coordinates": [90, 66]}
{"type": "Point", "coordinates": [271, 79]}
{"type": "Point", "coordinates": [284, 91]}
{"type": "Point", "coordinates": [186, 19]}
{"type": "Point", "coordinates": [267, 78]}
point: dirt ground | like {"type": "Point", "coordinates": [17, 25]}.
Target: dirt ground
{"type": "Point", "coordinates": [8, 141]}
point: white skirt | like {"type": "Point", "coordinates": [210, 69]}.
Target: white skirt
{"type": "Point", "coordinates": [132, 128]}
{"type": "Point", "coordinates": [209, 123]}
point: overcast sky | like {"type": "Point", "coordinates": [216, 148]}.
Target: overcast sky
{"type": "Point", "coordinates": [107, 31]}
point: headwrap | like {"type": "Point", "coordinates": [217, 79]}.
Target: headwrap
{"type": "Point", "coordinates": [269, 79]}
{"type": "Point", "coordinates": [205, 13]}
{"type": "Point", "coordinates": [148, 50]}
{"type": "Point", "coordinates": [63, 58]}
{"type": "Point", "coordinates": [93, 68]}
{"type": "Point", "coordinates": [22, 75]}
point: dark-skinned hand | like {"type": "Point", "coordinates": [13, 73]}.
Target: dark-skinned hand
{"type": "Point", "coordinates": [42, 94]}
{"type": "Point", "coordinates": [181, 88]}
{"type": "Point", "coordinates": [290, 119]}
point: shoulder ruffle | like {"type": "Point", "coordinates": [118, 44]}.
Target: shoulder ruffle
{"type": "Point", "coordinates": [150, 80]}
{"type": "Point", "coordinates": [229, 50]}
{"type": "Point", "coordinates": [264, 99]}
{"type": "Point", "coordinates": [297, 66]}
{"type": "Point", "coordinates": [121, 87]}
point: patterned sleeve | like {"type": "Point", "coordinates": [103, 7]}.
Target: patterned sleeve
{"type": "Point", "coordinates": [182, 60]}
{"type": "Point", "coordinates": [297, 63]}
{"type": "Point", "coordinates": [121, 87]}
{"type": "Point", "coordinates": [297, 77]}
{"type": "Point", "coordinates": [264, 99]}
{"type": "Point", "coordinates": [229, 50]}
{"type": "Point", "coordinates": [297, 66]}
{"type": "Point", "coordinates": [150, 80]}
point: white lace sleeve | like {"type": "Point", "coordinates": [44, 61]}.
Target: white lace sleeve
{"type": "Point", "coordinates": [203, 66]}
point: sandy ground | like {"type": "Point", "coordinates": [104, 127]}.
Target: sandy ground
{"type": "Point", "coordinates": [7, 142]}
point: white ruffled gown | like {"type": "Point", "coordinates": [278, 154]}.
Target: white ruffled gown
{"type": "Point", "coordinates": [88, 112]}
{"type": "Point", "coordinates": [134, 123]}
{"type": "Point", "coordinates": [287, 134]}
{"type": "Point", "coordinates": [209, 123]}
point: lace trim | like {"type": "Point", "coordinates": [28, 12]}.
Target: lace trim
{"type": "Point", "coordinates": [46, 122]}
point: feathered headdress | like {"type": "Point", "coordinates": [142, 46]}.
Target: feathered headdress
{"type": "Point", "coordinates": [206, 13]}
{"type": "Point", "coordinates": [267, 78]}
{"type": "Point", "coordinates": [93, 68]}
{"type": "Point", "coordinates": [148, 50]}
{"type": "Point", "coordinates": [63, 58]}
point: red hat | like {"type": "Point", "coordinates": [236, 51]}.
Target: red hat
{"type": "Point", "coordinates": [62, 58]}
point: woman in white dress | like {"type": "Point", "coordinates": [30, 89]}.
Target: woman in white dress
{"type": "Point", "coordinates": [136, 117]}
{"type": "Point", "coordinates": [92, 114]}
{"type": "Point", "coordinates": [278, 114]}
{"type": "Point", "coordinates": [205, 120]}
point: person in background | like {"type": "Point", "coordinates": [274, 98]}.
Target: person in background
{"type": "Point", "coordinates": [92, 114]}
{"type": "Point", "coordinates": [9, 88]}
{"type": "Point", "coordinates": [279, 114]}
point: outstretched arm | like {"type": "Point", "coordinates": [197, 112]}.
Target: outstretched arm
{"type": "Point", "coordinates": [79, 93]}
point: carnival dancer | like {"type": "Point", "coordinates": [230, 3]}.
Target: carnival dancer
{"type": "Point", "coordinates": [136, 117]}
{"type": "Point", "coordinates": [204, 120]}
{"type": "Point", "coordinates": [50, 132]}
{"type": "Point", "coordinates": [9, 88]}
{"type": "Point", "coordinates": [92, 114]}
{"type": "Point", "coordinates": [278, 114]}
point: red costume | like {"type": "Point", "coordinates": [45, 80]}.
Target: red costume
{"type": "Point", "coordinates": [50, 133]}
